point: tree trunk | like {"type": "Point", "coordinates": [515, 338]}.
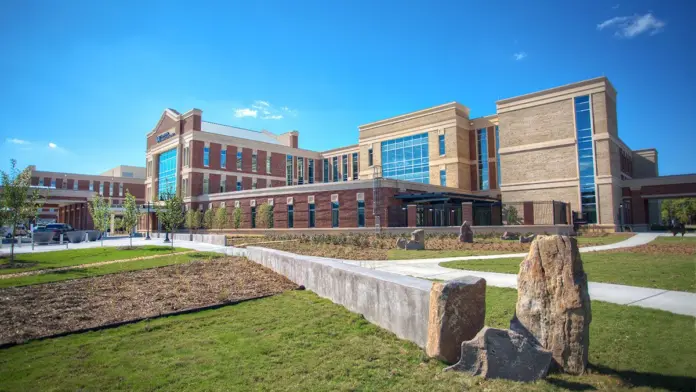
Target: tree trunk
{"type": "Point", "coordinates": [12, 243]}
{"type": "Point", "coordinates": [130, 237]}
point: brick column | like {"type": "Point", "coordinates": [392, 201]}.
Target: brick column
{"type": "Point", "coordinates": [528, 212]}
{"type": "Point", "coordinates": [638, 208]}
{"type": "Point", "coordinates": [496, 215]}
{"type": "Point", "coordinates": [411, 214]}
{"type": "Point", "coordinates": [468, 212]}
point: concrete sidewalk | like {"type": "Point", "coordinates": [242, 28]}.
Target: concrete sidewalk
{"type": "Point", "coordinates": [114, 241]}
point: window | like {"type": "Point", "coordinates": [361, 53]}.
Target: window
{"type": "Point", "coordinates": [344, 168]}
{"type": "Point", "coordinates": [300, 170]}
{"type": "Point", "coordinates": [335, 169]}
{"type": "Point", "coordinates": [101, 188]}
{"type": "Point", "coordinates": [268, 164]}
{"type": "Point", "coordinates": [91, 185]}
{"type": "Point", "coordinates": [310, 171]}
{"type": "Point", "coordinates": [120, 189]}
{"type": "Point", "coordinates": [441, 141]}
{"type": "Point", "coordinates": [206, 156]}
{"type": "Point", "coordinates": [254, 157]}
{"type": "Point", "coordinates": [41, 182]}
{"type": "Point", "coordinates": [585, 145]}
{"type": "Point", "coordinates": [206, 185]}
{"type": "Point", "coordinates": [334, 214]}
{"type": "Point", "coordinates": [253, 184]}
{"type": "Point", "coordinates": [326, 170]}
{"type": "Point", "coordinates": [443, 177]}
{"type": "Point", "coordinates": [497, 155]}
{"type": "Point", "coordinates": [239, 160]}
{"type": "Point", "coordinates": [239, 185]}
{"type": "Point", "coordinates": [361, 213]}
{"type": "Point", "coordinates": [253, 217]}
{"type": "Point", "coordinates": [223, 186]}
{"type": "Point", "coordinates": [167, 174]}
{"type": "Point", "coordinates": [406, 158]}
{"type": "Point", "coordinates": [291, 216]}
{"type": "Point", "coordinates": [312, 216]}
{"type": "Point", "coordinates": [223, 159]}
{"type": "Point", "coordinates": [74, 185]}
{"type": "Point", "coordinates": [111, 189]}
{"type": "Point", "coordinates": [64, 184]}
{"type": "Point", "coordinates": [355, 165]}
{"type": "Point", "coordinates": [51, 210]}
{"type": "Point", "coordinates": [369, 157]}
{"type": "Point", "coordinates": [148, 169]}
{"type": "Point", "coordinates": [483, 183]}
{"type": "Point", "coordinates": [53, 183]}
{"type": "Point", "coordinates": [184, 186]}
{"type": "Point", "coordinates": [187, 157]}
{"type": "Point", "coordinates": [288, 170]}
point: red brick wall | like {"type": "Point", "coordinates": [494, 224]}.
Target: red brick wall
{"type": "Point", "coordinates": [214, 183]}
{"type": "Point", "coordinates": [277, 165]}
{"type": "Point", "coordinates": [246, 182]}
{"type": "Point", "coordinates": [246, 161]}
{"type": "Point", "coordinates": [137, 190]}
{"type": "Point", "coordinates": [196, 180]}
{"type": "Point", "coordinates": [231, 158]}
{"type": "Point", "coordinates": [260, 183]}
{"type": "Point", "coordinates": [261, 161]}
{"type": "Point", "coordinates": [83, 185]}
{"type": "Point", "coordinates": [215, 155]}
{"type": "Point", "coordinates": [197, 154]}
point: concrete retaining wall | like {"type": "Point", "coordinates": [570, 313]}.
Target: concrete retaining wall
{"type": "Point", "coordinates": [397, 303]}
{"type": "Point", "coordinates": [215, 239]}
{"type": "Point", "coordinates": [522, 229]}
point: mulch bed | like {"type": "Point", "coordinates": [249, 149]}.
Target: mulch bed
{"type": "Point", "coordinates": [686, 249]}
{"type": "Point", "coordinates": [48, 309]}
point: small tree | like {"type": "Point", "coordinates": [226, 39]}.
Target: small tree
{"type": "Point", "coordinates": [118, 224]}
{"type": "Point", "coordinates": [193, 219]}
{"type": "Point", "coordinates": [237, 218]}
{"type": "Point", "coordinates": [209, 218]}
{"type": "Point", "coordinates": [510, 215]}
{"type": "Point", "coordinates": [221, 218]}
{"type": "Point", "coordinates": [19, 203]}
{"type": "Point", "coordinates": [171, 214]}
{"type": "Point", "coordinates": [264, 216]}
{"type": "Point", "coordinates": [131, 215]}
{"type": "Point", "coordinates": [100, 210]}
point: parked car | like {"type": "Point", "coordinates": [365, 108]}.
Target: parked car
{"type": "Point", "coordinates": [59, 228]}
{"type": "Point", "coordinates": [20, 231]}
{"type": "Point", "coordinates": [39, 227]}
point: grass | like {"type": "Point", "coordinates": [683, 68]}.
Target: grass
{"type": "Point", "coordinates": [662, 271]}
{"type": "Point", "coordinates": [602, 240]}
{"type": "Point", "coordinates": [297, 341]}
{"type": "Point", "coordinates": [105, 269]}
{"type": "Point", "coordinates": [675, 240]}
{"type": "Point", "coordinates": [64, 258]}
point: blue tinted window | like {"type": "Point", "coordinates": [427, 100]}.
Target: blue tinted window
{"type": "Point", "coordinates": [334, 214]}
{"type": "Point", "coordinates": [335, 169]}
{"type": "Point", "coordinates": [583, 123]}
{"type": "Point", "coordinates": [167, 174]}
{"type": "Point", "coordinates": [291, 216]}
{"type": "Point", "coordinates": [483, 159]}
{"type": "Point", "coordinates": [288, 170]}
{"type": "Point", "coordinates": [406, 158]}
{"type": "Point", "coordinates": [443, 177]}
{"type": "Point", "coordinates": [223, 159]}
{"type": "Point", "coordinates": [442, 144]}
{"type": "Point", "coordinates": [497, 154]}
{"type": "Point", "coordinates": [361, 214]}
{"type": "Point", "coordinates": [206, 156]}
{"type": "Point", "coordinates": [326, 170]}
{"type": "Point", "coordinates": [239, 185]}
{"type": "Point", "coordinates": [312, 216]}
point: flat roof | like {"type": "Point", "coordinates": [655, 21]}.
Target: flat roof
{"type": "Point", "coordinates": [243, 133]}
{"type": "Point", "coordinates": [558, 89]}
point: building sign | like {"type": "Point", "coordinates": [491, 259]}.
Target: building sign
{"type": "Point", "coordinates": [164, 136]}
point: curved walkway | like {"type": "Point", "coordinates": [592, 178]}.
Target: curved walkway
{"type": "Point", "coordinates": [672, 301]}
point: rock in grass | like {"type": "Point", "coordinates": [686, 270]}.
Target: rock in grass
{"type": "Point", "coordinates": [553, 303]}
{"type": "Point", "coordinates": [457, 313]}
{"type": "Point", "coordinates": [502, 353]}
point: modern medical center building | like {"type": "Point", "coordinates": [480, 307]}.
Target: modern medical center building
{"type": "Point", "coordinates": [545, 158]}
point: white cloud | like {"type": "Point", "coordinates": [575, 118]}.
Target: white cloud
{"type": "Point", "coordinates": [52, 145]}
{"type": "Point", "coordinates": [272, 117]}
{"type": "Point", "coordinates": [239, 113]}
{"type": "Point", "coordinates": [262, 103]}
{"type": "Point", "coordinates": [632, 26]}
{"type": "Point", "coordinates": [519, 56]}
{"type": "Point", "coordinates": [292, 112]}
{"type": "Point", "coordinates": [17, 141]}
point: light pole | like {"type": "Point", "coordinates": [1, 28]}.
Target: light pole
{"type": "Point", "coordinates": [147, 229]}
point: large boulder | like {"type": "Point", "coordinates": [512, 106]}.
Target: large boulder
{"type": "Point", "coordinates": [465, 233]}
{"type": "Point", "coordinates": [501, 353]}
{"type": "Point", "coordinates": [457, 313]}
{"type": "Point", "coordinates": [553, 303]}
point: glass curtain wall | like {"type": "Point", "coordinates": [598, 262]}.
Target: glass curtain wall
{"type": "Point", "coordinates": [583, 124]}
{"type": "Point", "coordinates": [406, 158]}
{"type": "Point", "coordinates": [167, 174]}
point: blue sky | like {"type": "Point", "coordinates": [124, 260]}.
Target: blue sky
{"type": "Point", "coordinates": [92, 77]}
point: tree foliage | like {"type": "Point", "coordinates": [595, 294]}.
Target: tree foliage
{"type": "Point", "coordinates": [100, 210]}
{"type": "Point", "coordinates": [220, 218]}
{"type": "Point", "coordinates": [264, 216]}
{"type": "Point", "coordinates": [170, 213]}
{"type": "Point", "coordinates": [683, 210]}
{"type": "Point", "coordinates": [19, 203]}
{"type": "Point", "coordinates": [209, 218]}
{"type": "Point", "coordinates": [237, 218]}
{"type": "Point", "coordinates": [193, 219]}
{"type": "Point", "coordinates": [511, 216]}
{"type": "Point", "coordinates": [131, 215]}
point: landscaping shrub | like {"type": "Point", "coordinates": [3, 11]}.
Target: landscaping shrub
{"type": "Point", "coordinates": [209, 218]}
{"type": "Point", "coordinates": [264, 216]}
{"type": "Point", "coordinates": [237, 218]}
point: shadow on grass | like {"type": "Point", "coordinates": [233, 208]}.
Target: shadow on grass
{"type": "Point", "coordinates": [635, 379]}
{"type": "Point", "coordinates": [204, 255]}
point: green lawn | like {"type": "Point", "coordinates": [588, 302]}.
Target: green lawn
{"type": "Point", "coordinates": [64, 258]}
{"type": "Point", "coordinates": [690, 241]}
{"type": "Point", "coordinates": [297, 341]}
{"type": "Point", "coordinates": [105, 269]}
{"type": "Point", "coordinates": [663, 271]}
{"type": "Point", "coordinates": [605, 240]}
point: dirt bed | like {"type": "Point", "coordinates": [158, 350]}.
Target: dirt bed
{"type": "Point", "coordinates": [687, 249]}
{"type": "Point", "coordinates": [47, 309]}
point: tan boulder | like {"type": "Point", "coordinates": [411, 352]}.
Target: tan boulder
{"type": "Point", "coordinates": [457, 314]}
{"type": "Point", "coordinates": [553, 303]}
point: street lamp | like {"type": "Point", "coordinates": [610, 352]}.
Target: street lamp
{"type": "Point", "coordinates": [147, 224]}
